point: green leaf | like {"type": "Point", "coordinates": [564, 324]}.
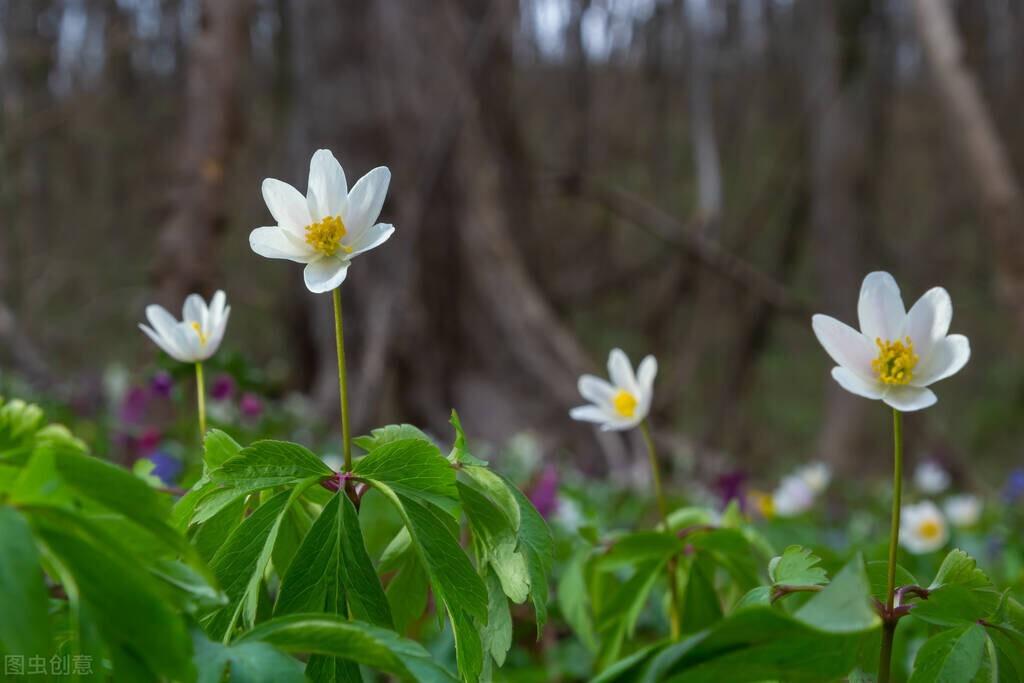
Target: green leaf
{"type": "Point", "coordinates": [497, 541]}
{"type": "Point", "coordinates": [354, 641]}
{"type": "Point", "coordinates": [130, 607]}
{"type": "Point", "coordinates": [760, 596]}
{"type": "Point", "coordinates": [701, 606]}
{"type": "Point", "coordinates": [961, 569]}
{"type": "Point", "coordinates": [731, 549]}
{"type": "Point", "coordinates": [951, 656]}
{"type": "Point", "coordinates": [460, 452]}
{"type": "Point", "coordinates": [574, 602]}
{"type": "Point", "coordinates": [637, 548]}
{"type": "Point", "coordinates": [218, 448]}
{"type": "Point", "coordinates": [797, 566]}
{"type": "Point", "coordinates": [265, 464]}
{"type": "Point", "coordinates": [617, 616]}
{"type": "Point", "coordinates": [25, 625]}
{"type": "Point", "coordinates": [412, 467]}
{"type": "Point", "coordinates": [537, 545]}
{"type": "Point", "coordinates": [391, 433]}
{"type": "Point", "coordinates": [244, 663]}
{"type": "Point", "coordinates": [407, 590]}
{"type": "Point", "coordinates": [844, 605]}
{"type": "Point", "coordinates": [496, 636]}
{"type": "Point", "coordinates": [211, 535]}
{"type": "Point", "coordinates": [497, 490]}
{"type": "Point", "coordinates": [955, 604]}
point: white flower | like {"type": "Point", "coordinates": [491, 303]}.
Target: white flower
{"type": "Point", "coordinates": [923, 529]}
{"type": "Point", "coordinates": [963, 510]}
{"type": "Point", "coordinates": [200, 331]}
{"type": "Point", "coordinates": [816, 475]}
{"type": "Point", "coordinates": [328, 227]}
{"type": "Point", "coordinates": [897, 354]}
{"type": "Point", "coordinates": [623, 403]}
{"type": "Point", "coordinates": [929, 477]}
{"type": "Point", "coordinates": [793, 497]}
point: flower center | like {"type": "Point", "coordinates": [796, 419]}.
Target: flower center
{"type": "Point", "coordinates": [325, 236]}
{"type": "Point", "coordinates": [199, 331]}
{"type": "Point", "coordinates": [624, 403]}
{"type": "Point", "coordinates": [929, 530]}
{"type": "Point", "coordinates": [895, 362]}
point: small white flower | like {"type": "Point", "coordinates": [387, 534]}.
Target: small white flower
{"type": "Point", "coordinates": [963, 510]}
{"type": "Point", "coordinates": [929, 477]}
{"type": "Point", "coordinates": [923, 529]}
{"type": "Point", "coordinates": [328, 227]}
{"type": "Point", "coordinates": [896, 354]}
{"type": "Point", "coordinates": [199, 333]}
{"type": "Point", "coordinates": [625, 401]}
{"type": "Point", "coordinates": [816, 475]}
{"type": "Point", "coordinates": [793, 496]}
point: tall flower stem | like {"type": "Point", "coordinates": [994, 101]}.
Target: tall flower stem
{"type": "Point", "coordinates": [889, 626]}
{"type": "Point", "coordinates": [659, 493]}
{"type": "Point", "coordinates": [339, 335]}
{"type": "Point", "coordinates": [201, 401]}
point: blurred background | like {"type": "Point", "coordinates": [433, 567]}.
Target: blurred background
{"type": "Point", "coordinates": [688, 178]}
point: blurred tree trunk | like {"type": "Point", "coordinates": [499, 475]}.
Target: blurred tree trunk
{"type": "Point", "coordinates": [189, 246]}
{"type": "Point", "coordinates": [999, 193]}
{"type": "Point", "coordinates": [702, 129]}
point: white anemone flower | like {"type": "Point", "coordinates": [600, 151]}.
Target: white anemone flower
{"type": "Point", "coordinates": [622, 403]}
{"type": "Point", "coordinates": [816, 475]}
{"type": "Point", "coordinates": [923, 529]}
{"type": "Point", "coordinates": [931, 478]}
{"type": "Point", "coordinates": [896, 354]}
{"type": "Point", "coordinates": [328, 227]}
{"type": "Point", "coordinates": [963, 510]}
{"type": "Point", "coordinates": [793, 497]}
{"type": "Point", "coordinates": [197, 335]}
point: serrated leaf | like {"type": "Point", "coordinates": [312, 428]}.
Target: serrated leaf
{"type": "Point", "coordinates": [218, 448]}
{"type": "Point", "coordinates": [496, 635]}
{"type": "Point", "coordinates": [460, 452]}
{"type": "Point", "coordinates": [244, 663]}
{"type": "Point", "coordinates": [266, 464]}
{"type": "Point", "coordinates": [844, 605]}
{"type": "Point", "coordinates": [412, 467]}
{"type": "Point", "coordinates": [391, 433]}
{"type": "Point", "coordinates": [953, 655]}
{"type": "Point", "coordinates": [955, 604]}
{"type": "Point", "coordinates": [537, 546]}
{"type": "Point", "coordinates": [960, 568]}
{"type": "Point", "coordinates": [797, 566]}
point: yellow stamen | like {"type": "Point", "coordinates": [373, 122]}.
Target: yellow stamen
{"type": "Point", "coordinates": [895, 362]}
{"type": "Point", "coordinates": [624, 403]}
{"type": "Point", "coordinates": [929, 529]}
{"type": "Point", "coordinates": [199, 331]}
{"type": "Point", "coordinates": [763, 503]}
{"type": "Point", "coordinates": [325, 236]}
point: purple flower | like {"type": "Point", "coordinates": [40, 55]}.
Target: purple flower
{"type": "Point", "coordinates": [148, 440]}
{"type": "Point", "coordinates": [133, 405]}
{"type": "Point", "coordinates": [166, 467]}
{"type": "Point", "coordinates": [250, 404]}
{"type": "Point", "coordinates": [730, 486]}
{"type": "Point", "coordinates": [1014, 489]}
{"type": "Point", "coordinates": [544, 492]}
{"type": "Point", "coordinates": [223, 388]}
{"type": "Point", "coordinates": [161, 384]}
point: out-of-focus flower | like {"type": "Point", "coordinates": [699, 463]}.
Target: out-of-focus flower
{"type": "Point", "coordinates": [148, 440]}
{"type": "Point", "coordinates": [896, 354]}
{"type": "Point", "coordinates": [161, 384]}
{"type": "Point", "coordinates": [931, 478]}
{"type": "Point", "coordinates": [568, 514]}
{"type": "Point", "coordinates": [1014, 489]}
{"type": "Point", "coordinates": [544, 493]}
{"type": "Point", "coordinates": [166, 467]}
{"type": "Point", "coordinates": [223, 387]}
{"type": "Point", "coordinates": [251, 405]}
{"type": "Point", "coordinates": [963, 510]}
{"type": "Point", "coordinates": [199, 333]}
{"type": "Point", "coordinates": [625, 401]}
{"type": "Point", "coordinates": [792, 497]}
{"type": "Point", "coordinates": [816, 475]}
{"type": "Point", "coordinates": [133, 405]}
{"type": "Point", "coordinates": [923, 529]}
{"type": "Point", "coordinates": [328, 227]}
{"type": "Point", "coordinates": [730, 486]}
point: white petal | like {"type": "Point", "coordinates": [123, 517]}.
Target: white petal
{"type": "Point", "coordinates": [880, 307]}
{"type": "Point", "coordinates": [947, 357]}
{"type": "Point", "coordinates": [162, 321]}
{"type": "Point", "coordinates": [327, 192]}
{"type": "Point", "coordinates": [325, 274]}
{"type": "Point", "coordinates": [187, 341]}
{"type": "Point", "coordinates": [646, 373]}
{"type": "Point", "coordinates": [595, 390]}
{"type": "Point", "coordinates": [366, 199]}
{"type": "Point", "coordinates": [621, 372]}
{"type": "Point", "coordinates": [194, 310]}
{"type": "Point", "coordinates": [589, 414]}
{"type": "Point", "coordinates": [928, 320]}
{"type": "Point", "coordinates": [165, 345]}
{"type": "Point", "coordinates": [370, 239]}
{"type": "Point", "coordinates": [216, 309]}
{"type": "Point", "coordinates": [908, 399]}
{"type": "Point", "coordinates": [853, 383]}
{"type": "Point", "coordinates": [620, 425]}
{"type": "Point", "coordinates": [286, 204]}
{"type": "Point", "coordinates": [217, 332]}
{"type": "Point", "coordinates": [848, 347]}
{"type": "Point", "coordinates": [275, 242]}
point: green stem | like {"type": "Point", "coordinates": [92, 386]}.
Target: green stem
{"type": "Point", "coordinates": [889, 628]}
{"type": "Point", "coordinates": [659, 493]}
{"type": "Point", "coordinates": [339, 335]}
{"type": "Point", "coordinates": [201, 401]}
